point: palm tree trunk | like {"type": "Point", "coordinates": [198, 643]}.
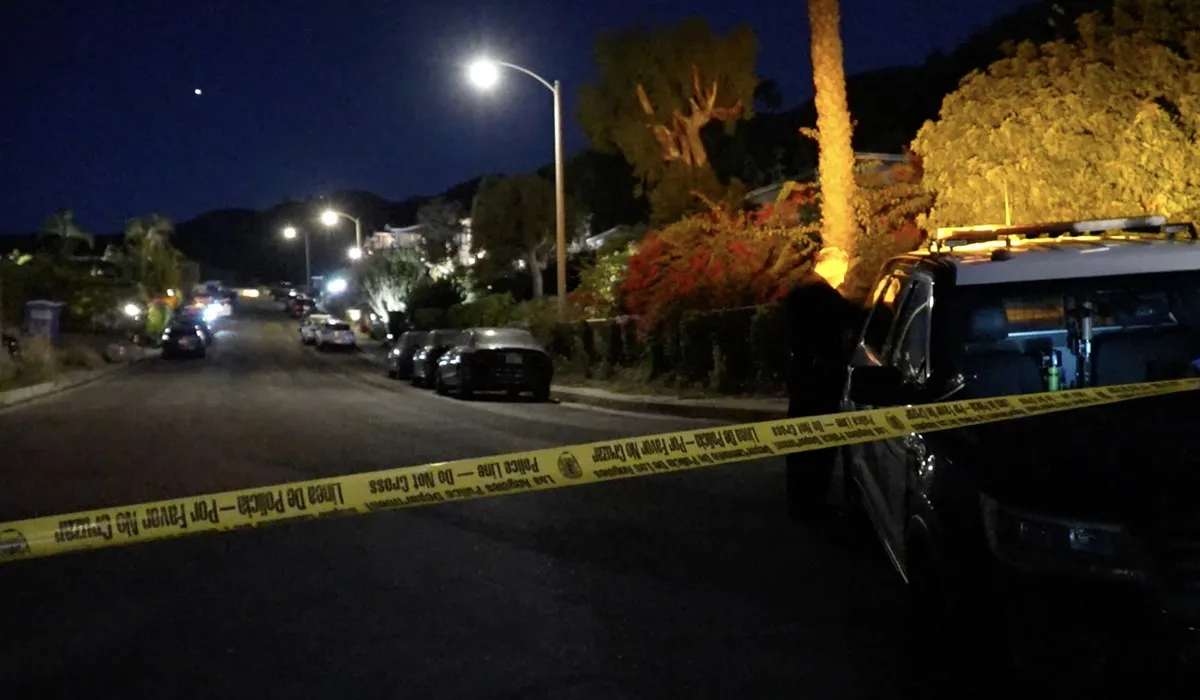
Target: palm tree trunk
{"type": "Point", "coordinates": [834, 129]}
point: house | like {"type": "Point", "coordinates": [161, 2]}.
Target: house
{"type": "Point", "coordinates": [412, 237]}
{"type": "Point", "coordinates": [863, 160]}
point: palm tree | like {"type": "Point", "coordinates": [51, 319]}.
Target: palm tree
{"type": "Point", "coordinates": [834, 130]}
{"type": "Point", "coordinates": [147, 239]}
{"type": "Point", "coordinates": [62, 227]}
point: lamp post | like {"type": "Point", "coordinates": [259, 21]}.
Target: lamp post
{"type": "Point", "coordinates": [330, 217]}
{"type": "Point", "coordinates": [289, 233]}
{"type": "Point", "coordinates": [485, 73]}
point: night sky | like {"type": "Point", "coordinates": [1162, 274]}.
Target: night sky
{"type": "Point", "coordinates": [303, 97]}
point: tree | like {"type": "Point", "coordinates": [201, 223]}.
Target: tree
{"type": "Point", "coordinates": [155, 262]}
{"type": "Point", "coordinates": [389, 277]}
{"type": "Point", "coordinates": [514, 220]}
{"type": "Point", "coordinates": [61, 228]}
{"type": "Point", "coordinates": [659, 89]}
{"type": "Point", "coordinates": [834, 129]}
{"type": "Point", "coordinates": [1101, 125]}
{"type": "Point", "coordinates": [441, 228]}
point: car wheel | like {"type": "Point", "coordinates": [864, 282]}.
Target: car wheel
{"type": "Point", "coordinates": [439, 386]}
{"type": "Point", "coordinates": [541, 392]}
{"type": "Point", "coordinates": [464, 389]}
{"type": "Point", "coordinates": [415, 380]}
{"type": "Point", "coordinates": [392, 374]}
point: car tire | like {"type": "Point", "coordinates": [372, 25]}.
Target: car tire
{"type": "Point", "coordinates": [415, 380]}
{"type": "Point", "coordinates": [541, 392]}
{"type": "Point", "coordinates": [393, 374]}
{"type": "Point", "coordinates": [464, 389]}
{"type": "Point", "coordinates": [321, 347]}
{"type": "Point", "coordinates": [439, 387]}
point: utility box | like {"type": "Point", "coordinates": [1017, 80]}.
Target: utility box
{"type": "Point", "coordinates": [41, 318]}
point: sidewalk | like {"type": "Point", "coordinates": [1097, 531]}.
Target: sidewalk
{"type": "Point", "coordinates": [716, 408]}
{"type": "Point", "coordinates": [121, 357]}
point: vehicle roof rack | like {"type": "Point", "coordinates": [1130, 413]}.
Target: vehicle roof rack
{"type": "Point", "coordinates": [1150, 225]}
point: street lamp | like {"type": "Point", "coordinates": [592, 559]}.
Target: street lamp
{"type": "Point", "coordinates": [484, 74]}
{"type": "Point", "coordinates": [354, 253]}
{"type": "Point", "coordinates": [330, 218]}
{"type": "Point", "coordinates": [289, 232]}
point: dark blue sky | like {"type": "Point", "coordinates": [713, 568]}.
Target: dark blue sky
{"type": "Point", "coordinates": [302, 97]}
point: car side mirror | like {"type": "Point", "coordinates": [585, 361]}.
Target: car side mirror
{"type": "Point", "coordinates": [879, 385]}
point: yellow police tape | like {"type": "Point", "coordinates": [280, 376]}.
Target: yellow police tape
{"type": "Point", "coordinates": [466, 479]}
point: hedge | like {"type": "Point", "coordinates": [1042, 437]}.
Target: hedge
{"type": "Point", "coordinates": [729, 351]}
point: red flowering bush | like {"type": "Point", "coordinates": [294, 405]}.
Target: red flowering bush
{"type": "Point", "coordinates": [716, 260]}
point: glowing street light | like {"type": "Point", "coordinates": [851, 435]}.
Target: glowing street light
{"type": "Point", "coordinates": [484, 74]}
{"type": "Point", "coordinates": [336, 286]}
{"type": "Point", "coordinates": [330, 217]}
{"type": "Point", "coordinates": [289, 232]}
{"type": "Point", "coordinates": [132, 310]}
{"type": "Point", "coordinates": [354, 253]}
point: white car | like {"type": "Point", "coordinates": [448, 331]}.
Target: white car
{"type": "Point", "coordinates": [308, 329]}
{"type": "Point", "coordinates": [335, 334]}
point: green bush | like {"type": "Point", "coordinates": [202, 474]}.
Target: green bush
{"type": "Point", "coordinates": [82, 357]}
{"type": "Point", "coordinates": [606, 339]}
{"type": "Point", "coordinates": [695, 348]}
{"type": "Point", "coordinates": [39, 361]}
{"type": "Point", "coordinates": [491, 310]}
{"type": "Point", "coordinates": [429, 319]}
{"type": "Point", "coordinates": [769, 341]}
{"type": "Point", "coordinates": [8, 367]}
{"type": "Point", "coordinates": [733, 356]}
{"type": "Point", "coordinates": [632, 349]}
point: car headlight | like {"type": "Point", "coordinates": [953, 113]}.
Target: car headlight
{"type": "Point", "coordinates": [395, 352]}
{"type": "Point", "coordinates": [211, 313]}
{"type": "Point", "coordinates": [1048, 544]}
{"type": "Point", "coordinates": [166, 336]}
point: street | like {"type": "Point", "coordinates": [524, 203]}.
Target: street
{"type": "Point", "coordinates": [691, 585]}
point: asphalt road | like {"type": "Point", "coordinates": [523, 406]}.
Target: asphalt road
{"type": "Point", "coordinates": [688, 585]}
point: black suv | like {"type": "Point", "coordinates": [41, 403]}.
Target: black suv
{"type": "Point", "coordinates": [1071, 538]}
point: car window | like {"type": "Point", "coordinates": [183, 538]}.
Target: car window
{"type": "Point", "coordinates": [513, 337]}
{"type": "Point", "coordinates": [910, 346]}
{"type": "Point", "coordinates": [883, 312]}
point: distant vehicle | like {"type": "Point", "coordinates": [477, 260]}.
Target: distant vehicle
{"type": "Point", "coordinates": [400, 359]}
{"type": "Point", "coordinates": [336, 334]}
{"type": "Point", "coordinates": [194, 314]}
{"type": "Point", "coordinates": [300, 305]}
{"type": "Point", "coordinates": [183, 338]}
{"type": "Point", "coordinates": [425, 359]}
{"type": "Point", "coordinates": [496, 359]}
{"type": "Point", "coordinates": [309, 327]}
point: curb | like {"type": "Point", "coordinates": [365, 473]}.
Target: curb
{"type": "Point", "coordinates": [25, 394]}
{"type": "Point", "coordinates": [665, 408]}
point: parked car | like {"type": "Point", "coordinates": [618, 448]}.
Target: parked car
{"type": "Point", "coordinates": [300, 305]}
{"type": "Point", "coordinates": [309, 327]}
{"type": "Point", "coordinates": [183, 338]}
{"type": "Point", "coordinates": [400, 357]}
{"type": "Point", "coordinates": [496, 359]}
{"type": "Point", "coordinates": [425, 359]}
{"type": "Point", "coordinates": [336, 334]}
{"type": "Point", "coordinates": [1059, 539]}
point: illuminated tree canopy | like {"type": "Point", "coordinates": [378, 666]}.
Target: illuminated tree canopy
{"type": "Point", "coordinates": [1102, 125]}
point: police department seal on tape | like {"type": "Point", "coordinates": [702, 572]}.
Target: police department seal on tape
{"type": "Point", "coordinates": [569, 466]}
{"type": "Point", "coordinates": [13, 543]}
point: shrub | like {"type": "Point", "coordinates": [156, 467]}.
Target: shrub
{"type": "Point", "coordinates": [428, 319]}
{"type": "Point", "coordinates": [695, 347]}
{"type": "Point", "coordinates": [716, 261]}
{"type": "Point", "coordinates": [8, 367]}
{"type": "Point", "coordinates": [82, 357]}
{"type": "Point", "coordinates": [768, 339]}
{"type": "Point", "coordinates": [39, 360]}
{"type": "Point", "coordinates": [632, 348]}
{"type": "Point", "coordinates": [606, 339]}
{"type": "Point", "coordinates": [490, 310]}
{"type": "Point", "coordinates": [733, 356]}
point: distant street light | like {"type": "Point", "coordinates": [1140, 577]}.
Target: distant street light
{"type": "Point", "coordinates": [330, 218]}
{"type": "Point", "coordinates": [289, 232]}
{"type": "Point", "coordinates": [354, 253]}
{"type": "Point", "coordinates": [485, 74]}
{"type": "Point", "coordinates": [132, 310]}
{"type": "Point", "coordinates": [336, 286]}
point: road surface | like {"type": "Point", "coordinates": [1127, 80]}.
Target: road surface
{"type": "Point", "coordinates": [688, 585]}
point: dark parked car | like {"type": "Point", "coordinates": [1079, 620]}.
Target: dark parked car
{"type": "Point", "coordinates": [400, 359]}
{"type": "Point", "coordinates": [424, 366]}
{"type": "Point", "coordinates": [183, 339]}
{"type": "Point", "coordinates": [496, 359]}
